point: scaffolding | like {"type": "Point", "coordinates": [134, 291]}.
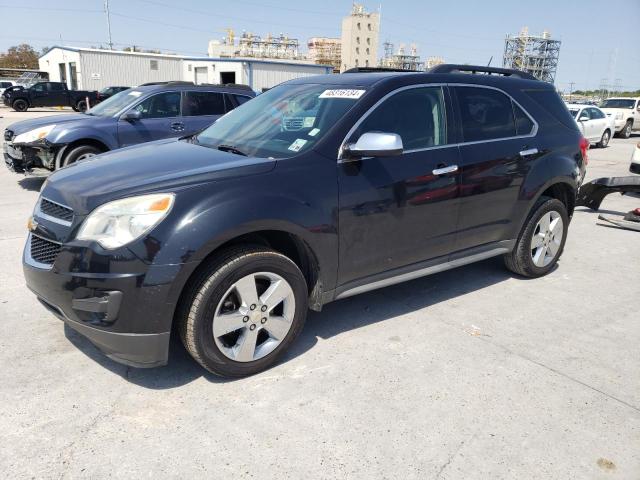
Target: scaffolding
{"type": "Point", "coordinates": [255, 46]}
{"type": "Point", "coordinates": [280, 46]}
{"type": "Point", "coordinates": [536, 54]}
{"type": "Point", "coordinates": [325, 51]}
{"type": "Point", "coordinates": [401, 60]}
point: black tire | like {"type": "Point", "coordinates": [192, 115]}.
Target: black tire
{"type": "Point", "coordinates": [626, 130]}
{"type": "Point", "coordinates": [20, 105]}
{"type": "Point", "coordinates": [520, 260]}
{"type": "Point", "coordinates": [604, 140]}
{"type": "Point", "coordinates": [201, 299]}
{"type": "Point", "coordinates": [80, 153]}
{"type": "Point", "coordinates": [75, 109]}
{"type": "Point", "coordinates": [81, 106]}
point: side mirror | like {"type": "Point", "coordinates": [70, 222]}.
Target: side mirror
{"type": "Point", "coordinates": [375, 144]}
{"type": "Point", "coordinates": [131, 116]}
{"type": "Point", "coordinates": [583, 118]}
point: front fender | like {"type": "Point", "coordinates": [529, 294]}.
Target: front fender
{"type": "Point", "coordinates": [206, 216]}
{"type": "Point", "coordinates": [101, 133]}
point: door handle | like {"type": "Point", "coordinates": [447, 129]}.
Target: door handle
{"type": "Point", "coordinates": [528, 152]}
{"type": "Point", "coordinates": [177, 126]}
{"type": "Point", "coordinates": [443, 170]}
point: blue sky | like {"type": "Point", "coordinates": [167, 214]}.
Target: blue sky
{"type": "Point", "coordinates": [597, 43]}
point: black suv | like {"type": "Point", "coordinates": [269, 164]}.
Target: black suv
{"type": "Point", "coordinates": [318, 189]}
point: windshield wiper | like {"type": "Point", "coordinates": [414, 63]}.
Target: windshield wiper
{"type": "Point", "coordinates": [231, 149]}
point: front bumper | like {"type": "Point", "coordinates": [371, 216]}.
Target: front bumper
{"type": "Point", "coordinates": [21, 158]}
{"type": "Point", "coordinates": [127, 316]}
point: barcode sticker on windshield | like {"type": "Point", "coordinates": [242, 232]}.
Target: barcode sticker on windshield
{"type": "Point", "coordinates": [342, 93]}
{"type": "Point", "coordinates": [297, 145]}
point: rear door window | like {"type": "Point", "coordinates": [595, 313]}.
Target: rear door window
{"type": "Point", "coordinates": [416, 114]}
{"type": "Point", "coordinates": [203, 103]}
{"type": "Point", "coordinates": [487, 114]}
{"type": "Point", "coordinates": [56, 87]}
{"type": "Point", "coordinates": [162, 105]}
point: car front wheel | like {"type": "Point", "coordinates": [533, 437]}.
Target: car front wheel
{"type": "Point", "coordinates": [626, 130]}
{"type": "Point", "coordinates": [20, 105]}
{"type": "Point", "coordinates": [541, 241]}
{"type": "Point", "coordinates": [243, 311]}
{"type": "Point", "coordinates": [604, 140]}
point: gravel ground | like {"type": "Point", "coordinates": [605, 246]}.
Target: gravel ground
{"type": "Point", "coordinates": [471, 373]}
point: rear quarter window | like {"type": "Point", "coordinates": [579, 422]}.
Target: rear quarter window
{"type": "Point", "coordinates": [551, 102]}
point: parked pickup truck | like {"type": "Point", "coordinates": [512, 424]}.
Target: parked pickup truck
{"type": "Point", "coordinates": [626, 113]}
{"type": "Point", "coordinates": [49, 94]}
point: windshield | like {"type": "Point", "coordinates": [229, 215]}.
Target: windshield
{"type": "Point", "coordinates": [114, 104]}
{"type": "Point", "coordinates": [618, 103]}
{"type": "Point", "coordinates": [282, 122]}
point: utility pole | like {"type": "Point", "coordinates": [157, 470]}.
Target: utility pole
{"type": "Point", "coordinates": [571, 84]}
{"type": "Point", "coordinates": [106, 10]}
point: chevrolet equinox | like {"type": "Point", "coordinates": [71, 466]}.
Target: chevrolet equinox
{"type": "Point", "coordinates": [319, 189]}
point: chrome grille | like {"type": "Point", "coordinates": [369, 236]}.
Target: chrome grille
{"type": "Point", "coordinates": [56, 210]}
{"type": "Point", "coordinates": [44, 251]}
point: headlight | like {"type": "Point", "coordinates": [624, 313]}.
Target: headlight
{"type": "Point", "coordinates": [33, 135]}
{"type": "Point", "coordinates": [117, 223]}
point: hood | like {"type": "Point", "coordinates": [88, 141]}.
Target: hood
{"type": "Point", "coordinates": [165, 165]}
{"type": "Point", "coordinates": [26, 125]}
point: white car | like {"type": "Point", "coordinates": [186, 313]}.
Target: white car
{"type": "Point", "coordinates": [5, 84]}
{"type": "Point", "coordinates": [635, 160]}
{"type": "Point", "coordinates": [626, 113]}
{"type": "Point", "coordinates": [593, 123]}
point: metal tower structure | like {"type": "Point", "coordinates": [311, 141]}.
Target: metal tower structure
{"type": "Point", "coordinates": [536, 54]}
{"type": "Point", "coordinates": [401, 60]}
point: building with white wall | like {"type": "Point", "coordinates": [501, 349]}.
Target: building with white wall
{"type": "Point", "coordinates": [360, 32]}
{"type": "Point", "coordinates": [93, 69]}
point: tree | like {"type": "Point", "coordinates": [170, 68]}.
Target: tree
{"type": "Point", "coordinates": [22, 56]}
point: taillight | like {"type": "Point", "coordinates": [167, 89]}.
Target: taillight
{"type": "Point", "coordinates": [584, 146]}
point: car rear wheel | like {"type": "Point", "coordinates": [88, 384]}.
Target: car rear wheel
{"type": "Point", "coordinates": [604, 140]}
{"type": "Point", "coordinates": [81, 106]}
{"type": "Point", "coordinates": [541, 241]}
{"type": "Point", "coordinates": [20, 105]}
{"type": "Point", "coordinates": [626, 130]}
{"type": "Point", "coordinates": [243, 311]}
{"type": "Point", "coordinates": [80, 153]}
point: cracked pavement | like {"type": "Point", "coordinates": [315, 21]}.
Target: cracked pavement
{"type": "Point", "coordinates": [471, 373]}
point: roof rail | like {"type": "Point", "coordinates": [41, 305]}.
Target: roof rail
{"type": "Point", "coordinates": [505, 72]}
{"type": "Point", "coordinates": [170, 82]}
{"type": "Point", "coordinates": [239, 86]}
{"type": "Point", "coordinates": [377, 69]}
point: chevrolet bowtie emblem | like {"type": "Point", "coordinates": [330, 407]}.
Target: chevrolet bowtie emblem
{"type": "Point", "coordinates": [32, 224]}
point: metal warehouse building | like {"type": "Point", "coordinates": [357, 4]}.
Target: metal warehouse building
{"type": "Point", "coordinates": [93, 69]}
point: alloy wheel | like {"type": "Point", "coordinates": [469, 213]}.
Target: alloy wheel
{"type": "Point", "coordinates": [547, 239]}
{"type": "Point", "coordinates": [254, 316]}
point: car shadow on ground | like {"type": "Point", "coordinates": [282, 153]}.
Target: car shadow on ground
{"type": "Point", "coordinates": [335, 318]}
{"type": "Point", "coordinates": [32, 183]}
